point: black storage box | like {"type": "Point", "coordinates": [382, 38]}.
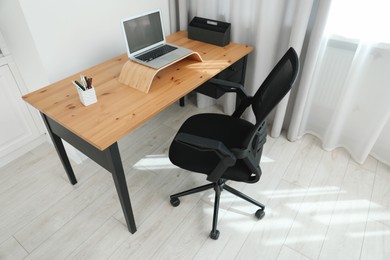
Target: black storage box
{"type": "Point", "coordinates": [210, 31]}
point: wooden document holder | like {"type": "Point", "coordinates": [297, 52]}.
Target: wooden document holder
{"type": "Point", "coordinates": [140, 77]}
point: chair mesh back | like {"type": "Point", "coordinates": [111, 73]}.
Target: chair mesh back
{"type": "Point", "coordinates": [276, 85]}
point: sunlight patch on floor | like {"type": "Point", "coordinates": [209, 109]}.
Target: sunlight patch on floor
{"type": "Point", "coordinates": [274, 223]}
{"type": "Point", "coordinates": [265, 159]}
{"type": "Point", "coordinates": [154, 162]}
{"type": "Point", "coordinates": [380, 215]}
{"type": "Point", "coordinates": [329, 206]}
{"type": "Point", "coordinates": [379, 233]}
{"type": "Point", "coordinates": [315, 191]}
{"type": "Point", "coordinates": [343, 218]}
{"type": "Point", "coordinates": [294, 240]}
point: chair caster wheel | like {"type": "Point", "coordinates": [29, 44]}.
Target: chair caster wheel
{"type": "Point", "coordinates": [175, 202]}
{"type": "Point", "coordinates": [259, 214]}
{"type": "Point", "coordinates": [214, 235]}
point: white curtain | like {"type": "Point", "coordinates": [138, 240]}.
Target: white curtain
{"type": "Point", "coordinates": [344, 94]}
{"type": "Point", "coordinates": [270, 26]}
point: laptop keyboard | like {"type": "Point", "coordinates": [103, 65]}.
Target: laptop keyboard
{"type": "Point", "coordinates": [153, 54]}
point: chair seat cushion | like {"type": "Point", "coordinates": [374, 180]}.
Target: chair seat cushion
{"type": "Point", "coordinates": [232, 132]}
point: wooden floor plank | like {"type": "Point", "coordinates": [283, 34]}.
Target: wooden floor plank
{"type": "Point", "coordinates": [349, 216]}
{"type": "Point", "coordinates": [307, 234]}
{"type": "Point", "coordinates": [12, 250]}
{"type": "Point", "coordinates": [267, 237]}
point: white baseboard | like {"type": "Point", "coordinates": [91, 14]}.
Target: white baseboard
{"type": "Point", "coordinates": [13, 155]}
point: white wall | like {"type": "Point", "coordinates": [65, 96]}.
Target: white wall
{"type": "Point", "coordinates": [20, 45]}
{"type": "Point", "coordinates": [52, 39]}
{"type": "Point", "coordinates": [72, 35]}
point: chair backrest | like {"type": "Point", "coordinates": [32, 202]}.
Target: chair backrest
{"type": "Point", "coordinates": [277, 84]}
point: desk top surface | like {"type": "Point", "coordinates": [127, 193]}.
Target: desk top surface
{"type": "Point", "coordinates": [120, 108]}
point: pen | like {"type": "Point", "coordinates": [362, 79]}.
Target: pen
{"type": "Point", "coordinates": [90, 82]}
{"type": "Point", "coordinates": [86, 85]}
{"type": "Point", "coordinates": [77, 84]}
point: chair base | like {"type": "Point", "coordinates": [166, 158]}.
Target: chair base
{"type": "Point", "coordinates": [218, 188]}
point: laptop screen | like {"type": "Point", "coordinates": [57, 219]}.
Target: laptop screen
{"type": "Point", "coordinates": [143, 31]}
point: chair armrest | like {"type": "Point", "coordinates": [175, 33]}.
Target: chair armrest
{"type": "Point", "coordinates": [206, 144]}
{"type": "Point", "coordinates": [238, 88]}
{"type": "Point", "coordinates": [229, 86]}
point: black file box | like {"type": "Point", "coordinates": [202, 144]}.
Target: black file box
{"type": "Point", "coordinates": [210, 31]}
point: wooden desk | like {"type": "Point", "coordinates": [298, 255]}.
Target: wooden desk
{"type": "Point", "coordinates": [95, 129]}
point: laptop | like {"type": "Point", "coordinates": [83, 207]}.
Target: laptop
{"type": "Point", "coordinates": [145, 41]}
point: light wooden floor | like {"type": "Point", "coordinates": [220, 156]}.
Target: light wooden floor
{"type": "Point", "coordinates": [319, 205]}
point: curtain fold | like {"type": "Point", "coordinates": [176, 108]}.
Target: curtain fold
{"type": "Point", "coordinates": [298, 32]}
{"type": "Point", "coordinates": [308, 68]}
{"type": "Point", "coordinates": [344, 97]}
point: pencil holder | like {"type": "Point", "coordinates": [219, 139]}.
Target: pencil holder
{"type": "Point", "coordinates": [88, 96]}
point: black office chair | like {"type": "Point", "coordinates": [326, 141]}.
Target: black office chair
{"type": "Point", "coordinates": [227, 147]}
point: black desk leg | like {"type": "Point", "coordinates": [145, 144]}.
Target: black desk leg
{"type": "Point", "coordinates": [182, 102]}
{"type": "Point", "coordinates": [61, 152]}
{"type": "Point", "coordinates": [109, 159]}
{"type": "Point", "coordinates": [115, 163]}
